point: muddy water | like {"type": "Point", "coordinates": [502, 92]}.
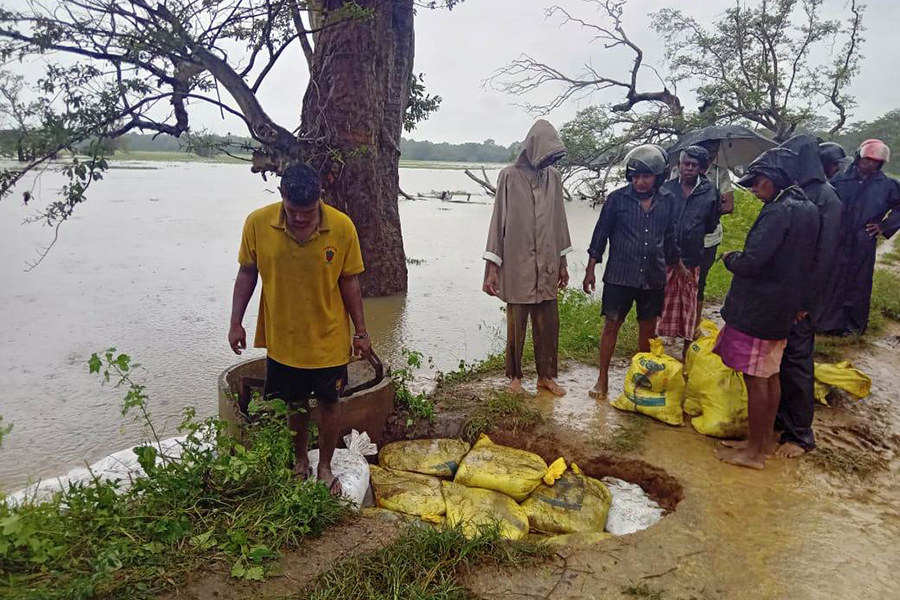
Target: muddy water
{"type": "Point", "coordinates": [147, 265]}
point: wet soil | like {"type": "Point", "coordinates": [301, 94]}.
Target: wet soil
{"type": "Point", "coordinates": [805, 529]}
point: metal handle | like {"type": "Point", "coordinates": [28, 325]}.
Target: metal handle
{"type": "Point", "coordinates": [377, 366]}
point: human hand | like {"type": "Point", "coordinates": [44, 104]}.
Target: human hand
{"type": "Point", "coordinates": [683, 271]}
{"type": "Point", "coordinates": [362, 348]}
{"type": "Point", "coordinates": [237, 338]}
{"type": "Point", "coordinates": [563, 277]}
{"type": "Point", "coordinates": [590, 282]}
{"type": "Point", "coordinates": [874, 229]}
{"type": "Point", "coordinates": [801, 315]}
{"type": "Point", "coordinates": [491, 285]}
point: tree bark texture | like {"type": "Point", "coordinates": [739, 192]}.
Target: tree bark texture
{"type": "Point", "coordinates": [353, 109]}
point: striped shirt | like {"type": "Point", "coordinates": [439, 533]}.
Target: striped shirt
{"type": "Point", "coordinates": [641, 243]}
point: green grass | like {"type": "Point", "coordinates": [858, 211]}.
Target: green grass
{"type": "Point", "coordinates": [423, 564]}
{"type": "Point", "coordinates": [892, 257]}
{"type": "Point", "coordinates": [736, 225]}
{"type": "Point", "coordinates": [501, 408]}
{"type": "Point", "coordinates": [629, 437]}
{"type": "Point", "coordinates": [222, 502]}
{"type": "Point", "coordinates": [886, 294]}
{"type": "Point", "coordinates": [642, 591]}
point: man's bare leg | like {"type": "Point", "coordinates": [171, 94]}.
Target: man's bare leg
{"type": "Point", "coordinates": [608, 340]}
{"type": "Point", "coordinates": [298, 423]}
{"type": "Point", "coordinates": [328, 434]}
{"type": "Point", "coordinates": [763, 396]}
{"type": "Point", "coordinates": [646, 332]}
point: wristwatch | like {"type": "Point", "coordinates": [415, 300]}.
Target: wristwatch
{"type": "Point", "coordinates": [361, 336]}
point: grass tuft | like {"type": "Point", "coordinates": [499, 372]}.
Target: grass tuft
{"type": "Point", "coordinates": [886, 294]}
{"type": "Point", "coordinates": [642, 591]}
{"type": "Point", "coordinates": [846, 462]}
{"type": "Point", "coordinates": [629, 437]}
{"type": "Point", "coordinates": [501, 407]}
{"type": "Point", "coordinates": [424, 564]}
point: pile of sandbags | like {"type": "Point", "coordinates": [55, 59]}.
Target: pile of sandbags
{"type": "Point", "coordinates": [446, 481]}
{"type": "Point", "coordinates": [714, 395]}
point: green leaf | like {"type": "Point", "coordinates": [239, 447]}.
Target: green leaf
{"type": "Point", "coordinates": [238, 570]}
{"type": "Point", "coordinates": [259, 553]}
{"type": "Point", "coordinates": [11, 524]}
{"type": "Point", "coordinates": [94, 363]}
{"type": "Point", "coordinates": [122, 361]}
{"type": "Point", "coordinates": [255, 574]}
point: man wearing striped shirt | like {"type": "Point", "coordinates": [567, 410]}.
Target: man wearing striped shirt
{"type": "Point", "coordinates": [638, 223]}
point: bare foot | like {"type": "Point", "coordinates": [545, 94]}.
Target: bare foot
{"type": "Point", "coordinates": [551, 386]}
{"type": "Point", "coordinates": [331, 482]}
{"type": "Point", "coordinates": [515, 387]}
{"type": "Point", "coordinates": [744, 444]}
{"type": "Point", "coordinates": [790, 450]}
{"type": "Point", "coordinates": [301, 470]}
{"type": "Point", "coordinates": [599, 391]}
{"type": "Point", "coordinates": [741, 458]}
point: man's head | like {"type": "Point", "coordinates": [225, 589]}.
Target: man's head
{"type": "Point", "coordinates": [692, 162]}
{"type": "Point", "coordinates": [871, 156]}
{"type": "Point", "coordinates": [300, 193]}
{"type": "Point", "coordinates": [645, 168]}
{"type": "Point", "coordinates": [773, 171]}
{"type": "Point", "coordinates": [832, 156]}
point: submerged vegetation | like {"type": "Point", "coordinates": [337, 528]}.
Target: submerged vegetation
{"type": "Point", "coordinates": [424, 564]}
{"type": "Point", "coordinates": [221, 502]}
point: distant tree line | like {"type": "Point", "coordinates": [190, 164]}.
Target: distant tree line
{"type": "Point", "coordinates": [486, 151]}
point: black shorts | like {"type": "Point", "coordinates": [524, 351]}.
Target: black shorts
{"type": "Point", "coordinates": [709, 258]}
{"type": "Point", "coordinates": [617, 301]}
{"type": "Point", "coordinates": [296, 386]}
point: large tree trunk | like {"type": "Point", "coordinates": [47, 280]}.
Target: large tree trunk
{"type": "Point", "coordinates": [353, 108]}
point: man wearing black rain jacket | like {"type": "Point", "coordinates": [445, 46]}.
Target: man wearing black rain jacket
{"type": "Point", "coordinates": [795, 410]}
{"type": "Point", "coordinates": [768, 295]}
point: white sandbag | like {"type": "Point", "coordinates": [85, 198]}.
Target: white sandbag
{"type": "Point", "coordinates": [121, 466]}
{"type": "Point", "coordinates": [349, 465]}
{"type": "Point", "coordinates": [632, 509]}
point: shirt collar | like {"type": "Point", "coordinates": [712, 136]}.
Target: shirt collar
{"type": "Point", "coordinates": [280, 221]}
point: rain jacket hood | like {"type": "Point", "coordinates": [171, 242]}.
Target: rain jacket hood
{"type": "Point", "coordinates": [541, 143]}
{"type": "Point", "coordinates": [778, 164]}
{"type": "Point", "coordinates": [809, 165]}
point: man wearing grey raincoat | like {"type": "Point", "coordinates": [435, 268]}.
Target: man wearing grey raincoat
{"type": "Point", "coordinates": [525, 257]}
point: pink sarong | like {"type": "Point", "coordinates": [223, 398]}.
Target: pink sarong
{"type": "Point", "coordinates": [679, 313]}
{"type": "Point", "coordinates": [749, 355]}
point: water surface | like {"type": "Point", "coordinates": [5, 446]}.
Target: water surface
{"type": "Point", "coordinates": [147, 265]}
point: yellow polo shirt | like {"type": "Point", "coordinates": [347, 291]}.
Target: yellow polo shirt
{"type": "Point", "coordinates": [302, 321]}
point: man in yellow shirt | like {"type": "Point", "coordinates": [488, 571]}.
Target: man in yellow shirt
{"type": "Point", "coordinates": [308, 257]}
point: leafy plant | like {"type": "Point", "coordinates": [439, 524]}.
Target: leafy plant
{"type": "Point", "coordinates": [219, 501]}
{"type": "Point", "coordinates": [418, 405]}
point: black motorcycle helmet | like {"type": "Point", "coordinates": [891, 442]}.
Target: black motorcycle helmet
{"type": "Point", "coordinates": [831, 152]}
{"type": "Point", "coordinates": [647, 159]}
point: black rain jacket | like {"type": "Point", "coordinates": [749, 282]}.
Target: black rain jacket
{"type": "Point", "coordinates": [774, 271]}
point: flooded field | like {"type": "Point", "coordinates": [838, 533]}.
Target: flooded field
{"type": "Point", "coordinates": [147, 265]}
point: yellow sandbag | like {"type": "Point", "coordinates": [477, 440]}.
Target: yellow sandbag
{"type": "Point", "coordinates": [438, 457]}
{"type": "Point", "coordinates": [576, 503]}
{"type": "Point", "coordinates": [707, 340]}
{"type": "Point", "coordinates": [654, 386]}
{"type": "Point", "coordinates": [503, 469]}
{"type": "Point", "coordinates": [409, 493]}
{"type": "Point", "coordinates": [719, 391]}
{"type": "Point", "coordinates": [843, 376]}
{"type": "Point", "coordinates": [475, 508]}
{"type": "Point", "coordinates": [577, 539]}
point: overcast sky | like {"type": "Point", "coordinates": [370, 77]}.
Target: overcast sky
{"type": "Point", "coordinates": [457, 50]}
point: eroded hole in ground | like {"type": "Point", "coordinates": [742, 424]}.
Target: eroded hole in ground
{"type": "Point", "coordinates": [639, 490]}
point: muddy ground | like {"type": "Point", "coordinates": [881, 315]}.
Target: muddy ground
{"type": "Point", "coordinates": [805, 529]}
